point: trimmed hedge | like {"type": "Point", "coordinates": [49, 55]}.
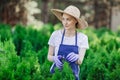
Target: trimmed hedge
{"type": "Point", "coordinates": [23, 54]}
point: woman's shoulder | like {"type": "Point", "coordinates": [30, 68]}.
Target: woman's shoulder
{"type": "Point", "coordinates": [57, 32]}
{"type": "Point", "coordinates": [82, 35]}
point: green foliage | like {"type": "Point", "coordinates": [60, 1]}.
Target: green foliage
{"type": "Point", "coordinates": [65, 74]}
{"type": "Point", "coordinates": [42, 55]}
{"type": "Point", "coordinates": [101, 60]}
{"type": "Point", "coordinates": [19, 36]}
{"type": "Point", "coordinates": [23, 54]}
{"type": "Point", "coordinates": [37, 38]}
{"type": "Point", "coordinates": [8, 60]}
{"type": "Point", "coordinates": [5, 32]}
{"type": "Point", "coordinates": [45, 70]}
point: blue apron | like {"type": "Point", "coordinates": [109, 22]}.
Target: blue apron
{"type": "Point", "coordinates": [64, 50]}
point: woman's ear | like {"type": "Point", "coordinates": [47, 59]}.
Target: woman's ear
{"type": "Point", "coordinates": [75, 21]}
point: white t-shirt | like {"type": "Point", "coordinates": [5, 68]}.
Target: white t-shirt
{"type": "Point", "coordinates": [56, 37]}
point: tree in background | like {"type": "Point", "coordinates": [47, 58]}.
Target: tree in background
{"type": "Point", "coordinates": [103, 12]}
{"type": "Point", "coordinates": [96, 12]}
{"type": "Point", "coordinates": [13, 11]}
{"type": "Point", "coordinates": [18, 11]}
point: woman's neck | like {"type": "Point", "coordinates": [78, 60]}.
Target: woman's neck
{"type": "Point", "coordinates": [70, 33]}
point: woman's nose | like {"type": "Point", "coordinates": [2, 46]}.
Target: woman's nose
{"type": "Point", "coordinates": [65, 22]}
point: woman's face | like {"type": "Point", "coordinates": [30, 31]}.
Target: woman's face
{"type": "Point", "coordinates": [68, 22]}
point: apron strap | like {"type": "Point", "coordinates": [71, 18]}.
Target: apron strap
{"type": "Point", "coordinates": [75, 37]}
{"type": "Point", "coordinates": [63, 36]}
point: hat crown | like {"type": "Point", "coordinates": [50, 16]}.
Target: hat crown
{"type": "Point", "coordinates": [72, 10]}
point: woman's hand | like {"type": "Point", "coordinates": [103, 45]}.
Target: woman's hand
{"type": "Point", "coordinates": [72, 57]}
{"type": "Point", "coordinates": [57, 61]}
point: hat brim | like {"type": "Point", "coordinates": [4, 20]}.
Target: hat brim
{"type": "Point", "coordinates": [82, 24]}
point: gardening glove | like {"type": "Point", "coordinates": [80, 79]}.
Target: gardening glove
{"type": "Point", "coordinates": [57, 60]}
{"type": "Point", "coordinates": [72, 57]}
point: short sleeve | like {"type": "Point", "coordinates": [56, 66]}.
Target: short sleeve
{"type": "Point", "coordinates": [84, 42]}
{"type": "Point", "coordinates": [51, 39]}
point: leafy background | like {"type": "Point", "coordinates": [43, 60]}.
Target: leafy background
{"type": "Point", "coordinates": [23, 54]}
{"type": "Point", "coordinates": [26, 31]}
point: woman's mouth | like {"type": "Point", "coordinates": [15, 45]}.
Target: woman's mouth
{"type": "Point", "coordinates": [66, 26]}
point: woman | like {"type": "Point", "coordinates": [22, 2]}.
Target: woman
{"type": "Point", "coordinates": [67, 43]}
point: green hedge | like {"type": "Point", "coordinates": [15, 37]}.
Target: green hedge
{"type": "Point", "coordinates": [23, 54]}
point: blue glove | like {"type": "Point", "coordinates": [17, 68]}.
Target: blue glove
{"type": "Point", "coordinates": [72, 57]}
{"type": "Point", "coordinates": [57, 61]}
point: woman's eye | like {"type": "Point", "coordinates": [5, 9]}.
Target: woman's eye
{"type": "Point", "coordinates": [63, 19]}
{"type": "Point", "coordinates": [68, 19]}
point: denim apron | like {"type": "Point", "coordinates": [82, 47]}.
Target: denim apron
{"type": "Point", "coordinates": [64, 50]}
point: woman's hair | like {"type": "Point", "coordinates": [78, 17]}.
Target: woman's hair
{"type": "Point", "coordinates": [76, 25]}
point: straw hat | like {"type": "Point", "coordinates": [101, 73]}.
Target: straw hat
{"type": "Point", "coordinates": [74, 12]}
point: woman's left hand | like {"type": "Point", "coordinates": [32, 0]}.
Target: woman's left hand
{"type": "Point", "coordinates": [72, 57]}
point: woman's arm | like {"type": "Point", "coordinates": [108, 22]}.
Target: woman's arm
{"type": "Point", "coordinates": [81, 55]}
{"type": "Point", "coordinates": [50, 53]}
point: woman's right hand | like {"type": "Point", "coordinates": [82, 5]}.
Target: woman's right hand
{"type": "Point", "coordinates": [57, 61]}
